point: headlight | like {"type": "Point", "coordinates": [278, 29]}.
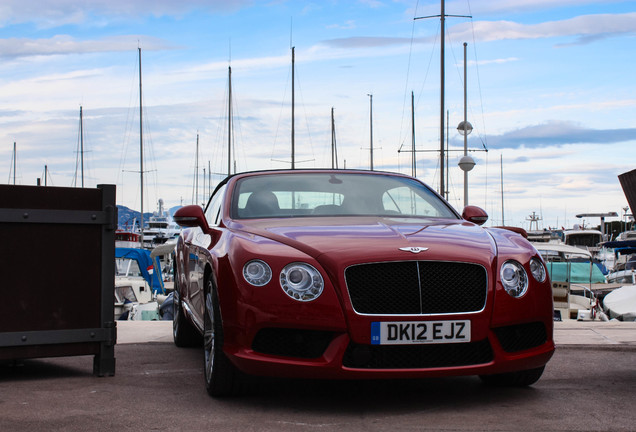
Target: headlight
{"type": "Point", "coordinates": [301, 281]}
{"type": "Point", "coordinates": [514, 279]}
{"type": "Point", "coordinates": [537, 270]}
{"type": "Point", "coordinates": [257, 272]}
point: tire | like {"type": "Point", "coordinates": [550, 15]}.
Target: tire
{"type": "Point", "coordinates": [183, 332]}
{"type": "Point", "coordinates": [221, 376]}
{"type": "Point", "coordinates": [522, 378]}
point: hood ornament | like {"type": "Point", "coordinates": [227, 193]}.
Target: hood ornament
{"type": "Point", "coordinates": [414, 249]}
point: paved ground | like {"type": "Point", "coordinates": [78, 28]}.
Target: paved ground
{"type": "Point", "coordinates": [588, 386]}
{"type": "Point", "coordinates": [595, 333]}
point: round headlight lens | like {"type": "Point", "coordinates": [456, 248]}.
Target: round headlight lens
{"type": "Point", "coordinates": [514, 279]}
{"type": "Point", "coordinates": [257, 272]}
{"type": "Point", "coordinates": [301, 281]}
{"type": "Point", "coordinates": [537, 270]}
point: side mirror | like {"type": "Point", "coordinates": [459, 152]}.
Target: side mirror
{"type": "Point", "coordinates": [191, 216]}
{"type": "Point", "coordinates": [475, 215]}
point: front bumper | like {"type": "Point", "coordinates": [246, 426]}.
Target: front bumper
{"type": "Point", "coordinates": [316, 354]}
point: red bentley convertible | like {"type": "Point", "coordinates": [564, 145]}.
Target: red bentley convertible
{"type": "Point", "coordinates": [355, 274]}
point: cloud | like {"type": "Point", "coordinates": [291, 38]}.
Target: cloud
{"type": "Point", "coordinates": [62, 45]}
{"type": "Point", "coordinates": [372, 3]}
{"type": "Point", "coordinates": [53, 13]}
{"type": "Point", "coordinates": [586, 28]}
{"type": "Point", "coordinates": [347, 25]}
{"type": "Point", "coordinates": [493, 61]}
{"type": "Point", "coordinates": [507, 7]}
{"type": "Point", "coordinates": [557, 134]}
{"type": "Point", "coordinates": [366, 42]}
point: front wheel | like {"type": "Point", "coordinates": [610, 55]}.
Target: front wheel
{"type": "Point", "coordinates": [221, 376]}
{"type": "Point", "coordinates": [522, 378]}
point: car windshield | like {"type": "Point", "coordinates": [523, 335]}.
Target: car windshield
{"type": "Point", "coordinates": [335, 194]}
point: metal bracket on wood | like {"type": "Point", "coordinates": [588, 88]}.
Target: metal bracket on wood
{"type": "Point", "coordinates": [51, 337]}
{"type": "Point", "coordinates": [48, 216]}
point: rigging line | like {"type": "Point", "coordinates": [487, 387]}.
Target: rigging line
{"type": "Point", "coordinates": [481, 99]}
{"type": "Point", "coordinates": [88, 162]}
{"type": "Point", "coordinates": [149, 154]}
{"type": "Point", "coordinates": [486, 182]}
{"type": "Point", "coordinates": [236, 125]}
{"type": "Point", "coordinates": [406, 83]}
{"type": "Point", "coordinates": [127, 132]}
{"type": "Point", "coordinates": [79, 157]}
{"type": "Point", "coordinates": [428, 67]}
{"type": "Point", "coordinates": [194, 197]}
{"type": "Point", "coordinates": [77, 153]}
{"type": "Point", "coordinates": [47, 175]}
{"type": "Point", "coordinates": [302, 102]}
{"type": "Point", "coordinates": [461, 78]}
{"type": "Point", "coordinates": [457, 69]}
{"type": "Point", "coordinates": [280, 116]}
{"type": "Point", "coordinates": [11, 165]}
{"type": "Point", "coordinates": [219, 150]}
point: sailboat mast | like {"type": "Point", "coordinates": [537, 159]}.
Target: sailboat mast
{"type": "Point", "coordinates": [371, 131]}
{"type": "Point", "coordinates": [442, 16]}
{"type": "Point", "coordinates": [81, 146]}
{"type": "Point", "coordinates": [141, 153]}
{"type": "Point", "coordinates": [14, 163]}
{"type": "Point", "coordinates": [334, 151]}
{"type": "Point", "coordinates": [293, 144]}
{"type": "Point", "coordinates": [196, 173]}
{"type": "Point", "coordinates": [465, 126]}
{"type": "Point", "coordinates": [503, 217]}
{"type": "Point", "coordinates": [441, 100]}
{"type": "Point", "coordinates": [229, 123]}
{"type": "Point", "coordinates": [447, 151]}
{"type": "Point", "coordinates": [413, 158]}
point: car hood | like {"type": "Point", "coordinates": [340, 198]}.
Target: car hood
{"type": "Point", "coordinates": [368, 239]}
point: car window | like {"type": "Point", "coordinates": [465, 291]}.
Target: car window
{"type": "Point", "coordinates": [339, 194]}
{"type": "Point", "coordinates": [213, 212]}
{"type": "Point", "coordinates": [405, 201]}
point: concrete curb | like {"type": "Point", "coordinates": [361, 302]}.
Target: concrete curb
{"type": "Point", "coordinates": [565, 332]}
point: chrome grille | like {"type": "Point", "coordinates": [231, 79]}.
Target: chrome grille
{"type": "Point", "coordinates": [417, 287]}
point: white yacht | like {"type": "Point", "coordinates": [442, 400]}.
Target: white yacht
{"type": "Point", "coordinates": [160, 229]}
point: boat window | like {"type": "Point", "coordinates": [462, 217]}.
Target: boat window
{"type": "Point", "coordinates": [583, 239]}
{"type": "Point", "coordinates": [127, 267]}
{"type": "Point", "coordinates": [124, 294]}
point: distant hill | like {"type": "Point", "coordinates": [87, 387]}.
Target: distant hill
{"type": "Point", "coordinates": [126, 216]}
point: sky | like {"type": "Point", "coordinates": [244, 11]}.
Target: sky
{"type": "Point", "coordinates": [549, 84]}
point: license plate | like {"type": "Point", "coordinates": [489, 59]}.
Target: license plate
{"type": "Point", "coordinates": [419, 332]}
